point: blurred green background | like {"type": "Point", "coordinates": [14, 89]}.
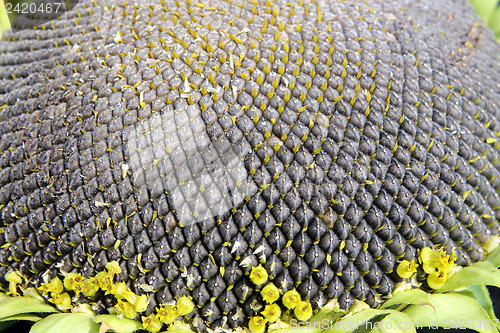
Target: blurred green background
{"type": "Point", "coordinates": [489, 10]}
{"type": "Point", "coordinates": [4, 19]}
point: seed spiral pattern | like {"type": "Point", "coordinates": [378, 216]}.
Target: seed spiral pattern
{"type": "Point", "coordinates": [192, 141]}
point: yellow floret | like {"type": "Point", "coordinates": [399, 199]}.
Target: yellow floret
{"type": "Point", "coordinates": [291, 299]}
{"type": "Point", "coordinates": [258, 275]}
{"type": "Point", "coordinates": [303, 311]}
{"type": "Point", "coordinates": [270, 293]}
{"type": "Point", "coordinates": [257, 324]}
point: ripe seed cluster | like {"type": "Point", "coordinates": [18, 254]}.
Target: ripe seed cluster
{"type": "Point", "coordinates": [367, 138]}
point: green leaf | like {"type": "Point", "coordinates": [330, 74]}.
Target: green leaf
{"type": "Point", "coordinates": [373, 320]}
{"type": "Point", "coordinates": [351, 323]}
{"type": "Point", "coordinates": [413, 296]}
{"type": "Point", "coordinates": [24, 316]}
{"type": "Point", "coordinates": [66, 322]}
{"type": "Point", "coordinates": [18, 305]}
{"type": "Point", "coordinates": [33, 293]}
{"type": "Point", "coordinates": [395, 322]}
{"type": "Point", "coordinates": [482, 295]}
{"type": "Point", "coordinates": [328, 313]}
{"type": "Point", "coordinates": [119, 325]}
{"type": "Point", "coordinates": [494, 257]}
{"type": "Point", "coordinates": [480, 273]}
{"type": "Point", "coordinates": [371, 324]}
{"type": "Point", "coordinates": [451, 310]}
